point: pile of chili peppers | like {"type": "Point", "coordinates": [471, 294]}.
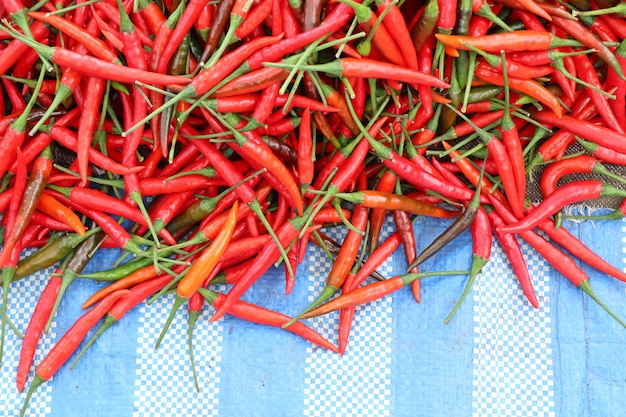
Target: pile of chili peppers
{"type": "Point", "coordinates": [210, 141]}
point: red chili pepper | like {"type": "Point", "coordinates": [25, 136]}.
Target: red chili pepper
{"type": "Point", "coordinates": [586, 71]}
{"type": "Point", "coordinates": [257, 314]}
{"type": "Point", "coordinates": [567, 194]}
{"type": "Point", "coordinates": [94, 67]}
{"type": "Point", "coordinates": [36, 184]}
{"type": "Point", "coordinates": [482, 241]}
{"type": "Point", "coordinates": [266, 257]}
{"type": "Point", "coordinates": [578, 31]}
{"type": "Point", "coordinates": [396, 26]}
{"type": "Point", "coordinates": [521, 40]}
{"type": "Point", "coordinates": [35, 328]}
{"type": "Point", "coordinates": [603, 154]}
{"type": "Point", "coordinates": [16, 49]}
{"type": "Point", "coordinates": [64, 348]}
{"type": "Point", "coordinates": [306, 167]}
{"type": "Point", "coordinates": [598, 134]}
{"type": "Point", "coordinates": [95, 46]}
{"type": "Point", "coordinates": [515, 257]}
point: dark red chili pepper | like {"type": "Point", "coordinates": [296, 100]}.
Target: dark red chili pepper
{"type": "Point", "coordinates": [462, 223]}
{"type": "Point", "coordinates": [425, 25]}
{"type": "Point", "coordinates": [578, 31]}
{"type": "Point", "coordinates": [36, 184]}
{"type": "Point", "coordinates": [404, 225]}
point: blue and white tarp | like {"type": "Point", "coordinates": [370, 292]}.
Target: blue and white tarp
{"type": "Point", "coordinates": [498, 356]}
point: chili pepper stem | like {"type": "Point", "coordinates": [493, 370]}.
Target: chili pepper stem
{"type": "Point", "coordinates": [66, 280]}
{"type": "Point", "coordinates": [37, 382]}
{"type": "Point", "coordinates": [477, 265]}
{"type": "Point", "coordinates": [192, 319]}
{"type": "Point", "coordinates": [327, 292]}
{"type": "Point", "coordinates": [136, 197]}
{"type": "Point", "coordinates": [108, 322]}
{"type": "Point", "coordinates": [586, 287]}
{"type": "Point", "coordinates": [7, 277]}
{"type": "Point", "coordinates": [178, 302]}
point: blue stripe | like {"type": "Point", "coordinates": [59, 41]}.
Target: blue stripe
{"type": "Point", "coordinates": [431, 360]}
{"type": "Point", "coordinates": [104, 369]}
{"type": "Point", "coordinates": [263, 367]}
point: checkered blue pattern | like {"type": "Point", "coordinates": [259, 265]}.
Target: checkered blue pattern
{"type": "Point", "coordinates": [513, 367]}
{"type": "Point", "coordinates": [163, 379]}
{"type": "Point", "coordinates": [19, 311]}
{"type": "Point", "coordinates": [497, 357]}
{"type": "Point", "coordinates": [343, 385]}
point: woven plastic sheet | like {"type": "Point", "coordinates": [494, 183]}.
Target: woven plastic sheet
{"type": "Point", "coordinates": [498, 357]}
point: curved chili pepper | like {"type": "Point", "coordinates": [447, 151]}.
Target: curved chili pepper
{"type": "Point", "coordinates": [582, 164]}
{"type": "Point", "coordinates": [49, 205]}
{"type": "Point", "coordinates": [567, 194]}
{"type": "Point", "coordinates": [462, 223]}
{"type": "Point", "coordinates": [598, 134]}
